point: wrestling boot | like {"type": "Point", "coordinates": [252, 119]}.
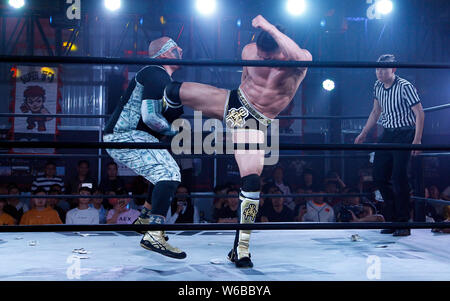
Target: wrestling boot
{"type": "Point", "coordinates": [240, 253]}
{"type": "Point", "coordinates": [402, 232]}
{"type": "Point", "coordinates": [155, 241]}
{"type": "Point", "coordinates": [144, 219]}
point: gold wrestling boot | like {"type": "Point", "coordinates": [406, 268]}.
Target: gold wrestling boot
{"type": "Point", "coordinates": [155, 241]}
{"type": "Point", "coordinates": [240, 253]}
{"type": "Point", "coordinates": [144, 219]}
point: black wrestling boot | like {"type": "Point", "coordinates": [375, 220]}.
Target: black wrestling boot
{"type": "Point", "coordinates": [387, 231]}
{"type": "Point", "coordinates": [244, 262]}
{"type": "Point", "coordinates": [402, 232]}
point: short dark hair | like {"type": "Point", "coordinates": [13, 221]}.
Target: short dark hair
{"type": "Point", "coordinates": [39, 190]}
{"type": "Point", "coordinates": [266, 42]}
{"type": "Point", "coordinates": [50, 163]}
{"type": "Point", "coordinates": [12, 186]}
{"type": "Point", "coordinates": [56, 187]}
{"type": "Point", "coordinates": [111, 163]}
{"type": "Point", "coordinates": [83, 161]}
{"type": "Point", "coordinates": [233, 190]}
{"type": "Point", "coordinates": [273, 188]}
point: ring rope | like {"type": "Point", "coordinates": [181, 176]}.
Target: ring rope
{"type": "Point", "coordinates": [226, 226]}
{"type": "Point", "coordinates": [213, 156]}
{"type": "Point", "coordinates": [230, 63]}
{"type": "Point", "coordinates": [319, 117]}
{"type": "Point", "coordinates": [192, 195]}
{"type": "Point", "coordinates": [240, 146]}
{"type": "Point", "coordinates": [428, 200]}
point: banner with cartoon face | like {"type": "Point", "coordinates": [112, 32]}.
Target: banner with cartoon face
{"type": "Point", "coordinates": [36, 91]}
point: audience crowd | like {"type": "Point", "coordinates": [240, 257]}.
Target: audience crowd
{"type": "Point", "coordinates": [45, 207]}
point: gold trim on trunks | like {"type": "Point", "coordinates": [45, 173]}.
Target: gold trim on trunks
{"type": "Point", "coordinates": [258, 116]}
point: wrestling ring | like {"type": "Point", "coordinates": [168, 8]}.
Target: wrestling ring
{"type": "Point", "coordinates": [280, 251]}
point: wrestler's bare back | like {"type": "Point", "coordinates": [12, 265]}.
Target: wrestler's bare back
{"type": "Point", "coordinates": [269, 89]}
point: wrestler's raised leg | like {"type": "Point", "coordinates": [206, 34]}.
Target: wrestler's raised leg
{"type": "Point", "coordinates": [250, 163]}
{"type": "Point", "coordinates": [208, 99]}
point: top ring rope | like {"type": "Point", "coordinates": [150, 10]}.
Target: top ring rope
{"type": "Point", "coordinates": [231, 63]}
{"type": "Point", "coordinates": [240, 146]}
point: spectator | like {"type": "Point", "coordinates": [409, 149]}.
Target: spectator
{"type": "Point", "coordinates": [112, 181]}
{"type": "Point", "coordinates": [446, 219]}
{"type": "Point", "coordinates": [183, 209]}
{"type": "Point", "coordinates": [446, 194]}
{"type": "Point", "coordinates": [278, 180]}
{"type": "Point", "coordinates": [82, 177]}
{"type": "Point", "coordinates": [62, 203]}
{"type": "Point", "coordinates": [83, 214]}
{"type": "Point", "coordinates": [307, 180]}
{"type": "Point", "coordinates": [229, 213]}
{"type": "Point", "coordinates": [40, 214]}
{"type": "Point", "coordinates": [121, 212]}
{"type": "Point", "coordinates": [5, 218]}
{"type": "Point", "coordinates": [299, 200]}
{"type": "Point", "coordinates": [96, 203]}
{"type": "Point", "coordinates": [54, 203]}
{"type": "Point", "coordinates": [300, 203]}
{"type": "Point", "coordinates": [278, 211]}
{"type": "Point", "coordinates": [219, 203]}
{"type": "Point", "coordinates": [437, 213]}
{"type": "Point", "coordinates": [317, 210]}
{"type": "Point", "coordinates": [15, 207]}
{"type": "Point", "coordinates": [47, 179]}
{"type": "Point", "coordinates": [264, 203]}
{"type": "Point", "coordinates": [332, 187]}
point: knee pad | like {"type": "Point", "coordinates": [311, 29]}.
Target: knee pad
{"type": "Point", "coordinates": [172, 95]}
{"type": "Point", "coordinates": [251, 183]}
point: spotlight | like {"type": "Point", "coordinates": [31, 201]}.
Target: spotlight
{"type": "Point", "coordinates": [296, 7]}
{"type": "Point", "coordinates": [16, 3]}
{"type": "Point", "coordinates": [384, 7]}
{"type": "Point", "coordinates": [112, 5]}
{"type": "Point", "coordinates": [206, 7]}
{"type": "Point", "coordinates": [328, 85]}
{"type": "Point", "coordinates": [323, 23]}
{"type": "Point", "coordinates": [238, 23]}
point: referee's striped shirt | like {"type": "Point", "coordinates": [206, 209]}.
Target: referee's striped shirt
{"type": "Point", "coordinates": [46, 183]}
{"type": "Point", "coordinates": [396, 103]}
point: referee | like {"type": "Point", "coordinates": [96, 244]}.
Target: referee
{"type": "Point", "coordinates": [397, 103]}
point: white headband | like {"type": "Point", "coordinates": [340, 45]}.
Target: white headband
{"type": "Point", "coordinates": [169, 44]}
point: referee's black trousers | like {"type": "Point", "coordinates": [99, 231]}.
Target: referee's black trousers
{"type": "Point", "coordinates": [392, 165]}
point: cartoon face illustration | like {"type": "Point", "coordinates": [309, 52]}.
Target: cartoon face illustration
{"type": "Point", "coordinates": [35, 103]}
{"type": "Point", "coordinates": [34, 98]}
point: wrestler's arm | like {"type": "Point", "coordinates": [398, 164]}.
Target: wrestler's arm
{"type": "Point", "coordinates": [289, 48]}
{"type": "Point", "coordinates": [154, 80]}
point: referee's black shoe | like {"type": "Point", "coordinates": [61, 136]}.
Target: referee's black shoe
{"type": "Point", "coordinates": [402, 232]}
